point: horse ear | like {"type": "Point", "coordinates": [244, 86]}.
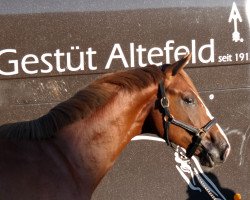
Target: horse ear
{"type": "Point", "coordinates": [173, 69]}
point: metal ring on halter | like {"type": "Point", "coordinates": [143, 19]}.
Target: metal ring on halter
{"type": "Point", "coordinates": [164, 102]}
{"type": "Point", "coordinates": [201, 133]}
{"type": "Point", "coordinates": [168, 118]}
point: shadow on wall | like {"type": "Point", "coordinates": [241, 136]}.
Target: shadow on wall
{"type": "Point", "coordinates": [226, 194]}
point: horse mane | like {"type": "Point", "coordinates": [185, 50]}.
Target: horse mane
{"type": "Point", "coordinates": [82, 104]}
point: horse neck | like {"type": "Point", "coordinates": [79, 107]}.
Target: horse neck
{"type": "Point", "coordinates": [95, 142]}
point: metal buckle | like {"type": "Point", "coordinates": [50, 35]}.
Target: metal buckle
{"type": "Point", "coordinates": [169, 119]}
{"type": "Point", "coordinates": [201, 133]}
{"type": "Point", "coordinates": [164, 102]}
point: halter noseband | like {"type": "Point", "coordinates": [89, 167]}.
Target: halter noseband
{"type": "Point", "coordinates": [197, 133]}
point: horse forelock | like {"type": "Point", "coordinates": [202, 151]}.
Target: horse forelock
{"type": "Point", "coordinates": [83, 103]}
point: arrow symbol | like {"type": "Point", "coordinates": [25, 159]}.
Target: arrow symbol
{"type": "Point", "coordinates": [235, 16]}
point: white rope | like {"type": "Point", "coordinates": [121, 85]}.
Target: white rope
{"type": "Point", "coordinates": [187, 167]}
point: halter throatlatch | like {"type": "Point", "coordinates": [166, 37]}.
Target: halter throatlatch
{"type": "Point", "coordinates": [168, 119]}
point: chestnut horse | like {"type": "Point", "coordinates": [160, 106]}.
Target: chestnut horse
{"type": "Point", "coordinates": [64, 154]}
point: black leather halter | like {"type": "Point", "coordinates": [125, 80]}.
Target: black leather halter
{"type": "Point", "coordinates": [197, 133]}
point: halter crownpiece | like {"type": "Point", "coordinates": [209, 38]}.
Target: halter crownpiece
{"type": "Point", "coordinates": [197, 133]}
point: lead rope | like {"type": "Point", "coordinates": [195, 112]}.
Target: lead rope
{"type": "Point", "coordinates": [205, 186]}
{"type": "Point", "coordinates": [196, 173]}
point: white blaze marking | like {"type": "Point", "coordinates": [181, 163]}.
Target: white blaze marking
{"type": "Point", "coordinates": [223, 134]}
{"type": "Point", "coordinates": [211, 117]}
{"type": "Point", "coordinates": [207, 111]}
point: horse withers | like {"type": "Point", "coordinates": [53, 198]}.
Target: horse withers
{"type": "Point", "coordinates": [65, 153]}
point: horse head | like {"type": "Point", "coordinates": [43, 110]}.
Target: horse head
{"type": "Point", "coordinates": [187, 119]}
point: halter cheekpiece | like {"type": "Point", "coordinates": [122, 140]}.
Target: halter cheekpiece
{"type": "Point", "coordinates": [197, 133]}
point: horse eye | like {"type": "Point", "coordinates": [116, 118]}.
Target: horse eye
{"type": "Point", "coordinates": [188, 100]}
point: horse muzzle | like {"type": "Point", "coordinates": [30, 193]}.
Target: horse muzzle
{"type": "Point", "coordinates": [213, 153]}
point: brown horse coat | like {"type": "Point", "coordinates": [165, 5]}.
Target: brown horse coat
{"type": "Point", "coordinates": [64, 154]}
